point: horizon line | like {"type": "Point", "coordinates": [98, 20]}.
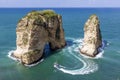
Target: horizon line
{"type": "Point", "coordinates": [59, 7]}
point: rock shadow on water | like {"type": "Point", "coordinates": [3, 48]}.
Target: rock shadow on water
{"type": "Point", "coordinates": [48, 52]}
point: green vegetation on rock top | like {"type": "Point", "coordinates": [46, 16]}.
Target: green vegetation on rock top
{"type": "Point", "coordinates": [40, 15]}
{"type": "Point", "coordinates": [44, 13]}
{"type": "Point", "coordinates": [47, 13]}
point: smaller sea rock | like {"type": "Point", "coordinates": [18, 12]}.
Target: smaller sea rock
{"type": "Point", "coordinates": [92, 37]}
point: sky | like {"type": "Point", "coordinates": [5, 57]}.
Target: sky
{"type": "Point", "coordinates": [58, 3]}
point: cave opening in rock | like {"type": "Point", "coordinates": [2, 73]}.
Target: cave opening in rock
{"type": "Point", "coordinates": [47, 50]}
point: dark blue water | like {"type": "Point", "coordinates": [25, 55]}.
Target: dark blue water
{"type": "Point", "coordinates": [72, 65]}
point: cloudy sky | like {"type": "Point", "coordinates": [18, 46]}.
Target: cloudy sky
{"type": "Point", "coordinates": [59, 3]}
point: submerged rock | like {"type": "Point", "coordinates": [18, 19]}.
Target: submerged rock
{"type": "Point", "coordinates": [34, 31]}
{"type": "Point", "coordinates": [92, 37]}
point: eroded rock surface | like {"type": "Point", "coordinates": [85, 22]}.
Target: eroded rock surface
{"type": "Point", "coordinates": [34, 31]}
{"type": "Point", "coordinates": [92, 37]}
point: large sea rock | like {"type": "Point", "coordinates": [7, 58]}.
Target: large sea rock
{"type": "Point", "coordinates": [34, 31]}
{"type": "Point", "coordinates": [92, 37]}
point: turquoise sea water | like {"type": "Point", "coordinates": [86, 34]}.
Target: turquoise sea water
{"type": "Point", "coordinates": [72, 66]}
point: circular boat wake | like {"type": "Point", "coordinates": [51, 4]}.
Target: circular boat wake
{"type": "Point", "coordinates": [89, 65]}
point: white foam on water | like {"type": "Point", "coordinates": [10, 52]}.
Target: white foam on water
{"type": "Point", "coordinates": [99, 55]}
{"type": "Point", "coordinates": [89, 66]}
{"type": "Point", "coordinates": [70, 38]}
{"type": "Point", "coordinates": [10, 53]}
{"type": "Point", "coordinates": [34, 64]}
{"type": "Point", "coordinates": [78, 41]}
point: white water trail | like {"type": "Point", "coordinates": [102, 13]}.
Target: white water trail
{"type": "Point", "coordinates": [89, 65]}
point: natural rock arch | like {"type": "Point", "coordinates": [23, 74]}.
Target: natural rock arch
{"type": "Point", "coordinates": [35, 30]}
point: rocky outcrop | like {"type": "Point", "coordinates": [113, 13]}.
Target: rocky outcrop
{"type": "Point", "coordinates": [92, 37]}
{"type": "Point", "coordinates": [34, 31]}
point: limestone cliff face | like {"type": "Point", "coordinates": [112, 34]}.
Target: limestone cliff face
{"type": "Point", "coordinates": [92, 37]}
{"type": "Point", "coordinates": [34, 31]}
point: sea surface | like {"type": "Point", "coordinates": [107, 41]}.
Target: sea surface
{"type": "Point", "coordinates": [67, 63]}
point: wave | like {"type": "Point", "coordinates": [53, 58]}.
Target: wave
{"type": "Point", "coordinates": [89, 65]}
{"type": "Point", "coordinates": [34, 64]}
{"type": "Point", "coordinates": [10, 55]}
